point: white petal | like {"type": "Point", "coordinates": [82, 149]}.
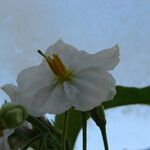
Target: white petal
{"type": "Point", "coordinates": [67, 53]}
{"type": "Point", "coordinates": [72, 58]}
{"type": "Point", "coordinates": [30, 82]}
{"type": "Point", "coordinates": [106, 59]}
{"type": "Point", "coordinates": [11, 91]}
{"type": "Point", "coordinates": [49, 99]}
{"type": "Point", "coordinates": [95, 86]}
{"type": "Point", "coordinates": [71, 92]}
{"type": "Point", "coordinates": [33, 78]}
{"type": "Point", "coordinates": [32, 103]}
{"type": "Point", "coordinates": [56, 101]}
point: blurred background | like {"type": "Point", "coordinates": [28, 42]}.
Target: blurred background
{"type": "Point", "coordinates": [90, 25]}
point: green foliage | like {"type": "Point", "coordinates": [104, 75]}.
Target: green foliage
{"type": "Point", "coordinates": [124, 96]}
{"type": "Point", "coordinates": [74, 125]}
{"type": "Point", "coordinates": [129, 96]}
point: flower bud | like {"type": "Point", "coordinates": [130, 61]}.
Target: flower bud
{"type": "Point", "coordinates": [12, 115]}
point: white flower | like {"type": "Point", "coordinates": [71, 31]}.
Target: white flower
{"type": "Point", "coordinates": [4, 137]}
{"type": "Point", "coordinates": [71, 78]}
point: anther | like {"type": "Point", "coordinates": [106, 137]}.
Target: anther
{"type": "Point", "coordinates": [41, 53]}
{"type": "Point", "coordinates": [56, 65]}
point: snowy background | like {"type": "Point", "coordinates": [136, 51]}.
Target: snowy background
{"type": "Point", "coordinates": [91, 25]}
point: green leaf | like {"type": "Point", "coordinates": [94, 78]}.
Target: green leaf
{"type": "Point", "coordinates": [124, 96]}
{"type": "Point", "coordinates": [129, 96]}
{"type": "Point", "coordinates": [74, 125]}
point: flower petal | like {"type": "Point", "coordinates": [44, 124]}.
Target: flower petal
{"type": "Point", "coordinates": [49, 99]}
{"type": "Point", "coordinates": [67, 53]}
{"type": "Point", "coordinates": [56, 101]}
{"type": "Point", "coordinates": [11, 91]}
{"type": "Point", "coordinates": [73, 58]}
{"type": "Point", "coordinates": [106, 59]}
{"type": "Point", "coordinates": [95, 86]}
{"type": "Point", "coordinates": [33, 78]}
{"type": "Point", "coordinates": [71, 92]}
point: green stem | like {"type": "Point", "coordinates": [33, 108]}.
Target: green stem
{"type": "Point", "coordinates": [41, 127]}
{"type": "Point", "coordinates": [104, 136]}
{"type": "Point", "coordinates": [98, 116]}
{"type": "Point", "coordinates": [29, 143]}
{"type": "Point", "coordinates": [84, 129]}
{"type": "Point", "coordinates": [64, 131]}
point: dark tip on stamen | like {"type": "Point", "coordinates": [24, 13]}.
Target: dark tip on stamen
{"type": "Point", "coordinates": [41, 53]}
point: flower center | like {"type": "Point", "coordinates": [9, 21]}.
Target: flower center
{"type": "Point", "coordinates": [58, 67]}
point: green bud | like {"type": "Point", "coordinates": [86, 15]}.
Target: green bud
{"type": "Point", "coordinates": [12, 115]}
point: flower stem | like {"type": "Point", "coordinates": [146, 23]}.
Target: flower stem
{"type": "Point", "coordinates": [41, 127]}
{"type": "Point", "coordinates": [84, 129]}
{"type": "Point", "coordinates": [64, 131]}
{"type": "Point", "coordinates": [104, 136]}
{"type": "Point", "coordinates": [98, 116]}
{"type": "Point", "coordinates": [29, 143]}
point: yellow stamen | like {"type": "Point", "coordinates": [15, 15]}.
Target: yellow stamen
{"type": "Point", "coordinates": [56, 66]}
{"type": "Point", "coordinates": [59, 66]}
{"type": "Point", "coordinates": [51, 65]}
